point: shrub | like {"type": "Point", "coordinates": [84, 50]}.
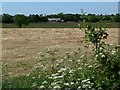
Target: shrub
{"type": "Point", "coordinates": [93, 19]}
{"type": "Point", "coordinates": [117, 18]}
{"type": "Point", "coordinates": [106, 18]}
{"type": "Point", "coordinates": [6, 18]}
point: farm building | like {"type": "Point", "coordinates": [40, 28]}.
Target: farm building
{"type": "Point", "coordinates": [55, 20]}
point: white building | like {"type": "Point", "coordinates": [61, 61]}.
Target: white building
{"type": "Point", "coordinates": [55, 20]}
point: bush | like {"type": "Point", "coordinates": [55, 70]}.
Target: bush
{"type": "Point", "coordinates": [117, 18]}
{"type": "Point", "coordinates": [6, 18]}
{"type": "Point", "coordinates": [93, 19]}
{"type": "Point", "coordinates": [106, 18]}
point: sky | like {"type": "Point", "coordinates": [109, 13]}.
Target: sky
{"type": "Point", "coordinates": [57, 7]}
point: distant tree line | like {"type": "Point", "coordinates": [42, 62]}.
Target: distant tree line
{"type": "Point", "coordinates": [35, 18]}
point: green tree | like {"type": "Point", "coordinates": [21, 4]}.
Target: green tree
{"type": "Point", "coordinates": [117, 18]}
{"type": "Point", "coordinates": [20, 20]}
{"type": "Point", "coordinates": [93, 18]}
{"type": "Point", "coordinates": [106, 17]}
{"type": "Point", "coordinates": [6, 18]}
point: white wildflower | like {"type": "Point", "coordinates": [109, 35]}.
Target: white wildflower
{"type": "Point", "coordinates": [71, 71]}
{"type": "Point", "coordinates": [53, 83]}
{"type": "Point", "coordinates": [96, 56]}
{"type": "Point", "coordinates": [78, 60]}
{"type": "Point", "coordinates": [90, 66]}
{"type": "Point", "coordinates": [77, 82]}
{"type": "Point", "coordinates": [57, 86]}
{"type": "Point", "coordinates": [34, 84]}
{"type": "Point", "coordinates": [41, 66]}
{"type": "Point", "coordinates": [44, 82]}
{"type": "Point", "coordinates": [42, 86]}
{"type": "Point", "coordinates": [61, 76]}
{"type": "Point", "coordinates": [101, 48]}
{"type": "Point", "coordinates": [79, 25]}
{"type": "Point", "coordinates": [33, 77]}
{"type": "Point", "coordinates": [80, 68]}
{"type": "Point", "coordinates": [79, 87]}
{"type": "Point", "coordinates": [102, 55]}
{"type": "Point", "coordinates": [40, 53]}
{"type": "Point", "coordinates": [67, 84]}
{"type": "Point", "coordinates": [113, 52]}
{"type": "Point", "coordinates": [88, 82]}
{"type": "Point", "coordinates": [39, 76]}
{"type": "Point", "coordinates": [99, 88]}
{"type": "Point", "coordinates": [28, 74]}
{"type": "Point", "coordinates": [57, 64]}
{"type": "Point", "coordinates": [56, 74]}
{"type": "Point", "coordinates": [89, 31]}
{"type": "Point", "coordinates": [83, 81]}
{"type": "Point", "coordinates": [118, 72]}
{"type": "Point", "coordinates": [55, 77]}
{"type": "Point", "coordinates": [85, 86]}
{"type": "Point", "coordinates": [62, 69]}
{"type": "Point", "coordinates": [82, 56]}
{"type": "Point", "coordinates": [65, 57]}
{"type": "Point", "coordinates": [72, 83]}
{"type": "Point", "coordinates": [111, 44]}
{"type": "Point", "coordinates": [60, 61]}
{"type": "Point", "coordinates": [50, 77]}
{"type": "Point", "coordinates": [70, 60]}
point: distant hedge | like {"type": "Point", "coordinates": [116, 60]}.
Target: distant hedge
{"type": "Point", "coordinates": [35, 18]}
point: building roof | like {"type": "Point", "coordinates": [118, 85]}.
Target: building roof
{"type": "Point", "coordinates": [54, 18]}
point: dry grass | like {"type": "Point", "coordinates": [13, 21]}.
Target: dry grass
{"type": "Point", "coordinates": [21, 46]}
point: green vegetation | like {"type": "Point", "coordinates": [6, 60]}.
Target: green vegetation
{"type": "Point", "coordinates": [61, 25]}
{"type": "Point", "coordinates": [20, 20]}
{"type": "Point", "coordinates": [6, 18]}
{"type": "Point", "coordinates": [40, 20]}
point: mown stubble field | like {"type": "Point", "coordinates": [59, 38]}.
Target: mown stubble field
{"type": "Point", "coordinates": [20, 47]}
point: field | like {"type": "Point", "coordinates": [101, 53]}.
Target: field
{"type": "Point", "coordinates": [21, 46]}
{"type": "Point", "coordinates": [61, 25]}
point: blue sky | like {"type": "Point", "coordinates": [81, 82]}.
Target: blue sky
{"type": "Point", "coordinates": [57, 7]}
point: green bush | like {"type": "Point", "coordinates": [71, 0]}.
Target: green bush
{"type": "Point", "coordinates": [93, 19]}
{"type": "Point", "coordinates": [108, 18]}
{"type": "Point", "coordinates": [117, 18]}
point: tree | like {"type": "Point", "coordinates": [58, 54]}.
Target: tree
{"type": "Point", "coordinates": [60, 15]}
{"type": "Point", "coordinates": [43, 19]}
{"type": "Point", "coordinates": [117, 18]}
{"type": "Point", "coordinates": [37, 18]}
{"type": "Point", "coordinates": [106, 17]}
{"type": "Point", "coordinates": [34, 18]}
{"type": "Point", "coordinates": [93, 18]}
{"type": "Point", "coordinates": [76, 18]}
{"type": "Point", "coordinates": [0, 18]}
{"type": "Point", "coordinates": [6, 18]}
{"type": "Point", "coordinates": [20, 20]}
